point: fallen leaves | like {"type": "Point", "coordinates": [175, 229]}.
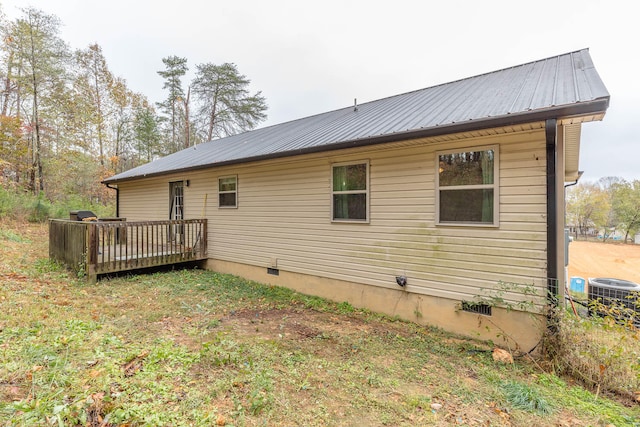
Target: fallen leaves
{"type": "Point", "coordinates": [502, 356]}
{"type": "Point", "coordinates": [95, 411]}
{"type": "Point", "coordinates": [34, 369]}
{"type": "Point", "coordinates": [11, 392]}
{"type": "Point", "coordinates": [134, 365]}
{"type": "Point", "coordinates": [13, 276]}
{"type": "Point", "coordinates": [502, 412]}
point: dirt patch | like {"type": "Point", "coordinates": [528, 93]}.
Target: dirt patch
{"type": "Point", "coordinates": [290, 324]}
{"type": "Point", "coordinates": [295, 324]}
{"type": "Point", "coordinates": [596, 259]}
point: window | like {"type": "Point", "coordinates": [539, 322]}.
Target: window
{"type": "Point", "coordinates": [350, 192]}
{"type": "Point", "coordinates": [228, 192]}
{"type": "Point", "coordinates": [467, 187]}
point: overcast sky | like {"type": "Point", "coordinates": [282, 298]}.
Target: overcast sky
{"type": "Point", "coordinates": [311, 57]}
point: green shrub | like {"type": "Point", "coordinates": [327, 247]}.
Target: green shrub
{"type": "Point", "coordinates": [21, 206]}
{"type": "Point", "coordinates": [39, 211]}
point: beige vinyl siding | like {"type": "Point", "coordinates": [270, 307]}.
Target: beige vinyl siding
{"type": "Point", "coordinates": [284, 215]}
{"type": "Point", "coordinates": [148, 199]}
{"type": "Point", "coordinates": [144, 200]}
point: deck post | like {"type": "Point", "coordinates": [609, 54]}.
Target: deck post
{"type": "Point", "coordinates": [204, 239]}
{"type": "Point", "coordinates": [92, 253]}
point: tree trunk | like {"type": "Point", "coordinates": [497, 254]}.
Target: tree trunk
{"type": "Point", "coordinates": [117, 148]}
{"type": "Point", "coordinates": [212, 117]}
{"type": "Point", "coordinates": [7, 85]}
{"type": "Point", "coordinates": [187, 139]}
{"type": "Point", "coordinates": [174, 146]}
{"type": "Point", "coordinates": [99, 108]}
{"type": "Point", "coordinates": [37, 164]}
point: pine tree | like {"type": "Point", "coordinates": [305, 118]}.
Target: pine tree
{"type": "Point", "coordinates": [174, 105]}
{"type": "Point", "coordinates": [225, 105]}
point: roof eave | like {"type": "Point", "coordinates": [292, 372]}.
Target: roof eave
{"type": "Point", "coordinates": [597, 106]}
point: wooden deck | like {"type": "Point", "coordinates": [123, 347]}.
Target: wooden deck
{"type": "Point", "coordinates": [102, 247]}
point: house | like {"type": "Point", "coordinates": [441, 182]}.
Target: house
{"type": "Point", "coordinates": [416, 205]}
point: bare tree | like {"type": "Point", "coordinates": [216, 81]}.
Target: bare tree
{"type": "Point", "coordinates": [39, 57]}
{"type": "Point", "coordinates": [98, 82]}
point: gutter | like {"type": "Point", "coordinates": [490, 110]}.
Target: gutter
{"type": "Point", "coordinates": [574, 110]}
{"type": "Point", "coordinates": [576, 181]}
{"type": "Point", "coordinates": [552, 217]}
{"type": "Point", "coordinates": [117, 197]}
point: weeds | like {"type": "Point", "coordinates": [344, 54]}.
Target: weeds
{"type": "Point", "coordinates": [502, 296]}
{"type": "Point", "coordinates": [599, 352]}
{"type": "Point", "coordinates": [509, 296]}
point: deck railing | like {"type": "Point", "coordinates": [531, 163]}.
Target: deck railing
{"type": "Point", "coordinates": [94, 248]}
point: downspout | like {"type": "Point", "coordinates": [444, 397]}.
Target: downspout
{"type": "Point", "coordinates": [117, 199]}
{"type": "Point", "coordinates": [571, 184]}
{"type": "Point", "coordinates": [552, 217]}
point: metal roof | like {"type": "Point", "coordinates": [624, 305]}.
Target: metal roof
{"type": "Point", "coordinates": [557, 87]}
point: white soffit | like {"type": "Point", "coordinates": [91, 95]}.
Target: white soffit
{"type": "Point", "coordinates": [571, 151]}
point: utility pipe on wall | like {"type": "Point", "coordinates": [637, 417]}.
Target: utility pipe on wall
{"type": "Point", "coordinates": [552, 217]}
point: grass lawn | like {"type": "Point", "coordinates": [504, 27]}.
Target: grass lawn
{"type": "Point", "coordinates": [197, 348]}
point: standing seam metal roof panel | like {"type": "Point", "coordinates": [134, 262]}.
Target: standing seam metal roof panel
{"type": "Point", "coordinates": [563, 84]}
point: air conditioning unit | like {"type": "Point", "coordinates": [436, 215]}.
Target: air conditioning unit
{"type": "Point", "coordinates": [615, 293]}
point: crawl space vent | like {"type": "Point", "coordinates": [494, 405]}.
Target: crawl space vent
{"type": "Point", "coordinates": [474, 307]}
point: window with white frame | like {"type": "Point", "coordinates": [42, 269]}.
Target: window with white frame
{"type": "Point", "coordinates": [228, 192]}
{"type": "Point", "coordinates": [350, 192]}
{"type": "Point", "coordinates": [467, 187]}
